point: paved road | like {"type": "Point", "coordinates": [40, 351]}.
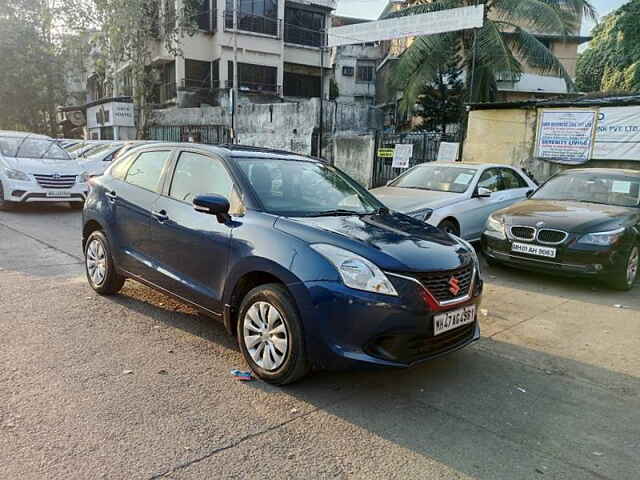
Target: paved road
{"type": "Point", "coordinates": [551, 391]}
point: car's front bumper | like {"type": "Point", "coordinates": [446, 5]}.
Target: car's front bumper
{"type": "Point", "coordinates": [27, 192]}
{"type": "Point", "coordinates": [345, 328]}
{"type": "Point", "coordinates": [571, 259]}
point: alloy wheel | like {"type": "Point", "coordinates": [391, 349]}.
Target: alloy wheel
{"type": "Point", "coordinates": [265, 335]}
{"type": "Point", "coordinates": [632, 265]}
{"type": "Point", "coordinates": [96, 259]}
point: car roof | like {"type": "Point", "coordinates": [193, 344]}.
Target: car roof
{"type": "Point", "coordinates": [626, 171]}
{"type": "Point", "coordinates": [10, 133]}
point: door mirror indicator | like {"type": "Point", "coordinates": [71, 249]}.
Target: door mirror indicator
{"type": "Point", "coordinates": [213, 205]}
{"type": "Point", "coordinates": [483, 192]}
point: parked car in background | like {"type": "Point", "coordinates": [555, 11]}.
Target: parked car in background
{"type": "Point", "coordinates": [34, 168]}
{"type": "Point", "coordinates": [456, 197]}
{"type": "Point", "coordinates": [131, 144]}
{"type": "Point", "coordinates": [305, 267]}
{"type": "Point", "coordinates": [96, 161]}
{"type": "Point", "coordinates": [580, 222]}
{"type": "Point", "coordinates": [84, 147]}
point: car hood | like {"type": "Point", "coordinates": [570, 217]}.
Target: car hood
{"type": "Point", "coordinates": [44, 166]}
{"type": "Point", "coordinates": [407, 200]}
{"type": "Point", "coordinates": [570, 216]}
{"type": "Point", "coordinates": [392, 241]}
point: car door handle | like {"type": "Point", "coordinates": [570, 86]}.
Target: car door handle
{"type": "Point", "coordinates": [160, 215]}
{"type": "Point", "coordinates": [111, 196]}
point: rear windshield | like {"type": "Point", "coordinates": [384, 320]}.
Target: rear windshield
{"type": "Point", "coordinates": [102, 149]}
{"type": "Point", "coordinates": [25, 147]}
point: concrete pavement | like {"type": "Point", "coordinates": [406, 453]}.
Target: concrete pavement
{"type": "Point", "coordinates": [138, 386]}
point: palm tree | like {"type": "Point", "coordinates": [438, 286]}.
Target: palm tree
{"type": "Point", "coordinates": [496, 50]}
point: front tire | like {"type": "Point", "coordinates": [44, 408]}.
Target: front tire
{"type": "Point", "coordinates": [4, 204]}
{"type": "Point", "coordinates": [270, 335]}
{"type": "Point", "coordinates": [99, 266]}
{"type": "Point", "coordinates": [626, 277]}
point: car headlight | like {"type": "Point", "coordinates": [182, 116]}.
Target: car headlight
{"type": "Point", "coordinates": [602, 238]}
{"type": "Point", "coordinates": [422, 215]}
{"type": "Point", "coordinates": [83, 178]}
{"type": "Point", "coordinates": [495, 227]}
{"type": "Point", "coordinates": [356, 272]}
{"type": "Point", "coordinates": [18, 175]}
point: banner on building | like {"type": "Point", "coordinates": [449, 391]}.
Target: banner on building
{"type": "Point", "coordinates": [617, 134]}
{"type": "Point", "coordinates": [566, 136]}
{"type": "Point", "coordinates": [449, 20]}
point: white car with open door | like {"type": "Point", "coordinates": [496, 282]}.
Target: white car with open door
{"type": "Point", "coordinates": [34, 168]}
{"type": "Point", "coordinates": [457, 197]}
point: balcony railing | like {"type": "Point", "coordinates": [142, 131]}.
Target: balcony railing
{"type": "Point", "coordinates": [302, 36]}
{"type": "Point", "coordinates": [253, 23]}
{"type": "Point", "coordinates": [164, 93]}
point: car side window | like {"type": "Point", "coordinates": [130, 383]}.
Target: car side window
{"type": "Point", "coordinates": [197, 174]}
{"type": "Point", "coordinates": [490, 179]}
{"type": "Point", "coordinates": [512, 179]}
{"type": "Point", "coordinates": [146, 170]}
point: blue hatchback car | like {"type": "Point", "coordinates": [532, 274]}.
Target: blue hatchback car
{"type": "Point", "coordinates": [301, 263]}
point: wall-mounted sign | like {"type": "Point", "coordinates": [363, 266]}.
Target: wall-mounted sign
{"type": "Point", "coordinates": [402, 155]}
{"type": "Point", "coordinates": [448, 152]}
{"type": "Point", "coordinates": [111, 114]}
{"type": "Point", "coordinates": [565, 136]}
{"type": "Point", "coordinates": [410, 26]}
{"type": "Point", "coordinates": [617, 134]}
{"type": "Point", "coordinates": [385, 152]}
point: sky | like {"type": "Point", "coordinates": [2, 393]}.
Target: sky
{"type": "Point", "coordinates": [372, 8]}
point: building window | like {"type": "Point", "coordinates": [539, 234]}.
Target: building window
{"type": "Point", "coordinates": [300, 85]}
{"type": "Point", "coordinates": [303, 26]}
{"type": "Point", "coordinates": [257, 78]}
{"type": "Point", "coordinates": [259, 16]}
{"type": "Point", "coordinates": [546, 42]}
{"type": "Point", "coordinates": [215, 74]}
{"type": "Point", "coordinates": [347, 71]}
{"type": "Point", "coordinates": [197, 74]}
{"type": "Point", "coordinates": [365, 72]}
{"type": "Point", "coordinates": [229, 74]}
{"type": "Point", "coordinates": [205, 19]}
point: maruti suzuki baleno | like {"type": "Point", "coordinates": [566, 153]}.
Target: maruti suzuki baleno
{"type": "Point", "coordinates": [304, 266]}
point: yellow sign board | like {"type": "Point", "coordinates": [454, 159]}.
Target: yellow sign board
{"type": "Point", "coordinates": [385, 152]}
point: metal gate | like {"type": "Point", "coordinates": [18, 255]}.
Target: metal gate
{"type": "Point", "coordinates": [425, 149]}
{"type": "Point", "coordinates": [209, 134]}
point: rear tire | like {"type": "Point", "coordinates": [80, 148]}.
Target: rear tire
{"type": "Point", "coordinates": [450, 226]}
{"type": "Point", "coordinates": [627, 276]}
{"type": "Point", "coordinates": [269, 333]}
{"type": "Point", "coordinates": [99, 266]}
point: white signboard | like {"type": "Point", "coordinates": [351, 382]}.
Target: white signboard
{"type": "Point", "coordinates": [409, 26]}
{"type": "Point", "coordinates": [118, 114]}
{"type": "Point", "coordinates": [566, 136]}
{"type": "Point", "coordinates": [448, 152]}
{"type": "Point", "coordinates": [402, 155]}
{"type": "Point", "coordinates": [618, 134]}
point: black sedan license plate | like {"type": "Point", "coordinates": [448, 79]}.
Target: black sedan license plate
{"type": "Point", "coordinates": [453, 319]}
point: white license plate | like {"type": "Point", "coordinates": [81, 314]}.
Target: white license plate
{"type": "Point", "coordinates": [453, 319]}
{"type": "Point", "coordinates": [58, 194]}
{"type": "Point", "coordinates": [533, 250]}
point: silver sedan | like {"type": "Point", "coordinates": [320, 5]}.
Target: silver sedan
{"type": "Point", "coordinates": [456, 197]}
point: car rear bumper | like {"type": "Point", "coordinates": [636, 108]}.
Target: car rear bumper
{"type": "Point", "coordinates": [346, 329]}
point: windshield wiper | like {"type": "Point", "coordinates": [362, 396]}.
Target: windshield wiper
{"type": "Point", "coordinates": [338, 212]}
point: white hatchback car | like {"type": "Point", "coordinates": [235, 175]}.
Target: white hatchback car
{"type": "Point", "coordinates": [34, 168]}
{"type": "Point", "coordinates": [456, 197]}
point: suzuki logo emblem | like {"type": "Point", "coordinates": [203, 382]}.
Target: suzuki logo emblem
{"type": "Point", "coordinates": [454, 286]}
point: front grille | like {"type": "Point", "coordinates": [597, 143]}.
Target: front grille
{"type": "Point", "coordinates": [523, 233]}
{"type": "Point", "coordinates": [552, 236]}
{"type": "Point", "coordinates": [57, 181]}
{"type": "Point", "coordinates": [410, 348]}
{"type": "Point", "coordinates": [438, 283]}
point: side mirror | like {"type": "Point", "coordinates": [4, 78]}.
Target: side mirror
{"type": "Point", "coordinates": [530, 193]}
{"type": "Point", "coordinates": [483, 192]}
{"type": "Point", "coordinates": [213, 205]}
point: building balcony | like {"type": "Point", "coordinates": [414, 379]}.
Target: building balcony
{"type": "Point", "coordinates": [253, 24]}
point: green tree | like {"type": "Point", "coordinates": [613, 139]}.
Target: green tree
{"type": "Point", "coordinates": [612, 61]}
{"type": "Point", "coordinates": [128, 34]}
{"type": "Point", "coordinates": [32, 82]}
{"type": "Point", "coordinates": [500, 47]}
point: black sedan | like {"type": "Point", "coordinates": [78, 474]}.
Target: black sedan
{"type": "Point", "coordinates": [581, 222]}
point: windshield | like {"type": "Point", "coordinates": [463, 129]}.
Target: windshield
{"type": "Point", "coordinates": [76, 146]}
{"type": "Point", "coordinates": [102, 149]}
{"type": "Point", "coordinates": [300, 188]}
{"type": "Point", "coordinates": [25, 147]}
{"type": "Point", "coordinates": [439, 178]}
{"type": "Point", "coordinates": [609, 189]}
